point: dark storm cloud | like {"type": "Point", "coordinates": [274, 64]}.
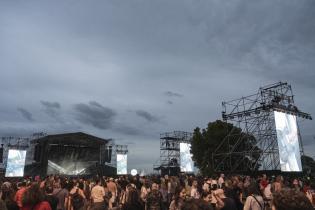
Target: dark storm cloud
{"type": "Point", "coordinates": [95, 114]}
{"type": "Point", "coordinates": [26, 114]}
{"type": "Point", "coordinates": [138, 54]}
{"type": "Point", "coordinates": [173, 94]}
{"type": "Point", "coordinates": [146, 115]}
{"type": "Point", "coordinates": [51, 108]}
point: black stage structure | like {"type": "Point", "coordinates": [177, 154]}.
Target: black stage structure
{"type": "Point", "coordinates": [72, 154]}
{"type": "Point", "coordinates": [254, 114]}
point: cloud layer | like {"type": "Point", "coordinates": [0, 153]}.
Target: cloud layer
{"type": "Point", "coordinates": [26, 114]}
{"type": "Point", "coordinates": [95, 114]}
{"type": "Point", "coordinates": [132, 70]}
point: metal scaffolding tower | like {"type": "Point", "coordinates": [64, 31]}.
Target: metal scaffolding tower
{"type": "Point", "coordinates": [170, 151]}
{"type": "Point", "coordinates": [254, 114]}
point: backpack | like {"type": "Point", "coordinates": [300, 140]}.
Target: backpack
{"type": "Point", "coordinates": [77, 200]}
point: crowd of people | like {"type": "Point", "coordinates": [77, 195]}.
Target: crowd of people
{"type": "Point", "coordinates": [181, 192]}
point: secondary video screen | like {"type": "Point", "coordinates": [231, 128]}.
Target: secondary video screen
{"type": "Point", "coordinates": [121, 164]}
{"type": "Point", "coordinates": [15, 163]}
{"type": "Point", "coordinates": [288, 142]}
{"type": "Point", "coordinates": [186, 162]}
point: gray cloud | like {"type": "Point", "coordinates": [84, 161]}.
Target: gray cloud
{"type": "Point", "coordinates": [50, 105]}
{"type": "Point", "coordinates": [95, 114]}
{"type": "Point", "coordinates": [146, 115]}
{"type": "Point", "coordinates": [173, 94]}
{"type": "Point", "coordinates": [26, 114]}
{"type": "Point", "coordinates": [124, 129]}
{"type": "Point", "coordinates": [51, 108]}
{"type": "Point", "coordinates": [208, 51]}
{"type": "Point", "coordinates": [308, 140]}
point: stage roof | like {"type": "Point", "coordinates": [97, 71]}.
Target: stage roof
{"type": "Point", "coordinates": [78, 138]}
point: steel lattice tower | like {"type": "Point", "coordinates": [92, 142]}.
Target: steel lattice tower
{"type": "Point", "coordinates": [170, 149]}
{"type": "Point", "coordinates": [254, 114]}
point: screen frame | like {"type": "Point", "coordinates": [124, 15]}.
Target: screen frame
{"type": "Point", "coordinates": [182, 167]}
{"type": "Point", "coordinates": [119, 163]}
{"type": "Point", "coordinates": [8, 164]}
{"type": "Point", "coordinates": [288, 140]}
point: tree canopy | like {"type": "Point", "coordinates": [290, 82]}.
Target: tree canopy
{"type": "Point", "coordinates": [206, 141]}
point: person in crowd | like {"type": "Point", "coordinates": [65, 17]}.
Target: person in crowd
{"type": "Point", "coordinates": [133, 200]}
{"type": "Point", "coordinates": [278, 184]}
{"type": "Point", "coordinates": [145, 189]}
{"type": "Point", "coordinates": [50, 198]}
{"type": "Point", "coordinates": [254, 201]}
{"type": "Point", "coordinates": [310, 194]}
{"type": "Point", "coordinates": [263, 182]}
{"type": "Point", "coordinates": [206, 185]}
{"type": "Point", "coordinates": [296, 185]}
{"type": "Point", "coordinates": [206, 200]}
{"type": "Point", "coordinates": [235, 192]}
{"type": "Point", "coordinates": [163, 190]}
{"type": "Point", "coordinates": [61, 192]}
{"type": "Point", "coordinates": [290, 199]}
{"type": "Point", "coordinates": [154, 198]}
{"type": "Point", "coordinates": [19, 194]}
{"type": "Point", "coordinates": [221, 180]}
{"type": "Point", "coordinates": [3, 205]}
{"type": "Point", "coordinates": [77, 198]}
{"type": "Point", "coordinates": [194, 192]}
{"type": "Point", "coordinates": [124, 194]}
{"type": "Point", "coordinates": [267, 194]}
{"type": "Point", "coordinates": [223, 202]}
{"type": "Point", "coordinates": [179, 198]}
{"type": "Point", "coordinates": [87, 191]}
{"type": "Point", "coordinates": [34, 199]}
{"type": "Point", "coordinates": [8, 196]}
{"type": "Point", "coordinates": [306, 186]}
{"type": "Point", "coordinates": [97, 196]}
{"type": "Point", "coordinates": [171, 187]}
{"type": "Point", "coordinates": [112, 188]}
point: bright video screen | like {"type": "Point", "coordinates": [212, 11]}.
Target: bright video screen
{"type": "Point", "coordinates": [186, 163]}
{"type": "Point", "coordinates": [15, 163]}
{"type": "Point", "coordinates": [121, 164]}
{"type": "Point", "coordinates": [288, 142]}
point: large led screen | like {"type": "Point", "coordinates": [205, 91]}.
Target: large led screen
{"type": "Point", "coordinates": [121, 164]}
{"type": "Point", "coordinates": [15, 163]}
{"type": "Point", "coordinates": [186, 163]}
{"type": "Point", "coordinates": [288, 142]}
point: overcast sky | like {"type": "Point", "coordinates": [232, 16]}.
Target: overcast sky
{"type": "Point", "coordinates": [130, 70]}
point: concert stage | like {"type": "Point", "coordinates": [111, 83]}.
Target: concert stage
{"type": "Point", "coordinates": [70, 154]}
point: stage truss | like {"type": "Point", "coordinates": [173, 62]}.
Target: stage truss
{"type": "Point", "coordinates": [254, 114]}
{"type": "Point", "coordinates": [170, 149]}
{"type": "Point", "coordinates": [19, 143]}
